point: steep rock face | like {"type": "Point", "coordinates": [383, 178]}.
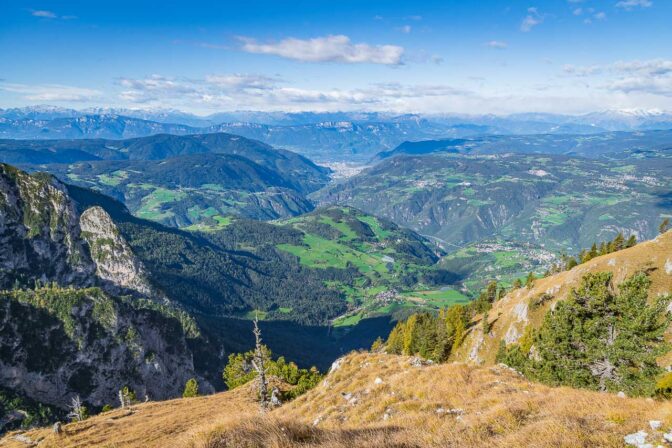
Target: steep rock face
{"type": "Point", "coordinates": [56, 343]}
{"type": "Point", "coordinates": [39, 232]}
{"type": "Point", "coordinates": [42, 237]}
{"type": "Point", "coordinates": [114, 259]}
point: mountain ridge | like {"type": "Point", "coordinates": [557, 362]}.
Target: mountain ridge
{"type": "Point", "coordinates": [515, 312]}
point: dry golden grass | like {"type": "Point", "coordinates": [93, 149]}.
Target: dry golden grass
{"type": "Point", "coordinates": [492, 406]}
{"type": "Point", "coordinates": [511, 314]}
{"type": "Point", "coordinates": [149, 425]}
{"type": "Point", "coordinates": [484, 406]}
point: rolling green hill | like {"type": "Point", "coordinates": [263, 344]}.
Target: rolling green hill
{"type": "Point", "coordinates": [197, 190]}
{"type": "Point", "coordinates": [194, 180]}
{"type": "Point", "coordinates": [391, 269]}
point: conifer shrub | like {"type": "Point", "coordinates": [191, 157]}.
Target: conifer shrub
{"type": "Point", "coordinates": [190, 389]}
{"type": "Point", "coordinates": [239, 371]}
{"type": "Point", "coordinates": [600, 338]}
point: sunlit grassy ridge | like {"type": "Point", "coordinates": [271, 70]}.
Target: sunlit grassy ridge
{"type": "Point", "coordinates": [524, 307]}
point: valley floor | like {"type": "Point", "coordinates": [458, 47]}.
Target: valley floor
{"type": "Point", "coordinates": [378, 400]}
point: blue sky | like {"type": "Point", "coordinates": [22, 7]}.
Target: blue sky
{"type": "Point", "coordinates": [486, 56]}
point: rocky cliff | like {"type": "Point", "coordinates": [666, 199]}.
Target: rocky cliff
{"type": "Point", "coordinates": [78, 315]}
{"type": "Point", "coordinates": [56, 343]}
{"type": "Point", "coordinates": [39, 233]}
{"type": "Point", "coordinates": [115, 262]}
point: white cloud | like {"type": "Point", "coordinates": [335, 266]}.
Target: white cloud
{"type": "Point", "coordinates": [332, 48]}
{"type": "Point", "coordinates": [652, 76]}
{"type": "Point", "coordinates": [497, 44]}
{"type": "Point", "coordinates": [406, 29]}
{"type": "Point", "coordinates": [578, 11]}
{"type": "Point", "coordinates": [651, 67]}
{"type": "Point", "coordinates": [532, 19]}
{"type": "Point", "coordinates": [629, 5]}
{"type": "Point", "coordinates": [600, 16]}
{"type": "Point", "coordinates": [52, 92]}
{"type": "Point", "coordinates": [153, 88]}
{"type": "Point", "coordinates": [243, 81]}
{"type": "Point", "coordinates": [582, 71]}
{"type": "Point", "coordinates": [44, 14]}
{"type": "Point", "coordinates": [643, 84]}
{"type": "Point", "coordinates": [236, 91]}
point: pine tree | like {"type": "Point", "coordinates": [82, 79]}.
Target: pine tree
{"type": "Point", "coordinates": [487, 326]}
{"type": "Point", "coordinates": [584, 256]}
{"type": "Point", "coordinates": [240, 370]}
{"type": "Point", "coordinates": [487, 297]}
{"type": "Point", "coordinates": [378, 345]}
{"type": "Point", "coordinates": [127, 397]}
{"type": "Point", "coordinates": [632, 241]}
{"type": "Point", "coordinates": [529, 282]}
{"type": "Point", "coordinates": [409, 335]}
{"type": "Point", "coordinates": [593, 251]}
{"type": "Point", "coordinates": [491, 291]}
{"type": "Point", "coordinates": [601, 340]}
{"type": "Point", "coordinates": [395, 341]}
{"type": "Point", "coordinates": [190, 388]}
{"type": "Point", "coordinates": [457, 319]}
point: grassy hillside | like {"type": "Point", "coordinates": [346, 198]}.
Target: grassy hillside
{"type": "Point", "coordinates": [391, 269]}
{"type": "Point", "coordinates": [559, 203]}
{"type": "Point", "coordinates": [199, 190]}
{"type": "Point", "coordinates": [522, 308]}
{"type": "Point", "coordinates": [377, 401]}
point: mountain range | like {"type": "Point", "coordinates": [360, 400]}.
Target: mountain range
{"type": "Point", "coordinates": [180, 180]}
{"type": "Point", "coordinates": [602, 145]}
{"type": "Point", "coordinates": [337, 136]}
